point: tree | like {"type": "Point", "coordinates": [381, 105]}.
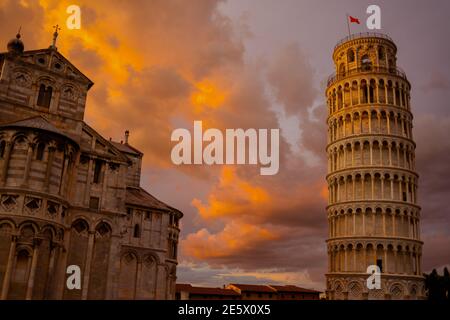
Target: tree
{"type": "Point", "coordinates": [446, 284]}
{"type": "Point", "coordinates": [438, 286]}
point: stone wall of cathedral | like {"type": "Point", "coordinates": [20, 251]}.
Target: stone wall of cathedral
{"type": "Point", "coordinates": [70, 197]}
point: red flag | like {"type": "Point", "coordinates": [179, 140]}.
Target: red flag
{"type": "Point", "coordinates": [354, 20]}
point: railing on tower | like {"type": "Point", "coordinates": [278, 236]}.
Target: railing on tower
{"type": "Point", "coordinates": [361, 70]}
{"type": "Point", "coordinates": [363, 35]}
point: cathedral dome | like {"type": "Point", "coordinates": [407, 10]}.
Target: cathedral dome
{"type": "Point", "coordinates": [16, 45]}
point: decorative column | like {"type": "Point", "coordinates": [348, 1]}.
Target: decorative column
{"type": "Point", "coordinates": [390, 153]}
{"type": "Point", "coordinates": [9, 268]}
{"type": "Point", "coordinates": [360, 123]}
{"type": "Point", "coordinates": [51, 155]}
{"type": "Point", "coordinates": [30, 284]}
{"type": "Point", "coordinates": [353, 154]}
{"type": "Point", "coordinates": [353, 188]}
{"type": "Point", "coordinates": [345, 157]}
{"type": "Point", "coordinates": [395, 261]}
{"type": "Point", "coordinates": [363, 186]}
{"type": "Point", "coordinates": [385, 260]}
{"type": "Point", "coordinates": [63, 175]}
{"type": "Point", "coordinates": [392, 187]}
{"type": "Point", "coordinates": [138, 279]}
{"type": "Point", "coordinates": [388, 123]}
{"type": "Point", "coordinates": [105, 185]}
{"type": "Point", "coordinates": [394, 95]}
{"type": "Point", "coordinates": [361, 152]}
{"type": "Point", "coordinates": [87, 187]}
{"type": "Point", "coordinates": [386, 95]}
{"type": "Point", "coordinates": [28, 164]}
{"type": "Point", "coordinates": [50, 272]}
{"type": "Point", "coordinates": [345, 260]}
{"type": "Point", "coordinates": [60, 277]}
{"type": "Point", "coordinates": [363, 222]}
{"type": "Point", "coordinates": [338, 198]}
{"type": "Point", "coordinates": [372, 181]}
{"type": "Point", "coordinates": [7, 158]}
{"type": "Point", "coordinates": [87, 269]}
{"type": "Point", "coordinates": [394, 233]}
{"type": "Point", "coordinates": [345, 189]}
{"type": "Point", "coordinates": [381, 153]}
{"type": "Point", "coordinates": [379, 119]}
{"type": "Point", "coordinates": [396, 124]}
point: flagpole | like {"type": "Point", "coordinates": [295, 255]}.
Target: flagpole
{"type": "Point", "coordinates": [348, 25]}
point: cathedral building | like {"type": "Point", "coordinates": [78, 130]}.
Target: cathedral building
{"type": "Point", "coordinates": [373, 215]}
{"type": "Point", "coordinates": [69, 198]}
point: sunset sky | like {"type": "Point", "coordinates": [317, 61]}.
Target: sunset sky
{"type": "Point", "coordinates": [159, 65]}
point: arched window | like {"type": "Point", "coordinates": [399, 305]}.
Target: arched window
{"type": "Point", "coordinates": [173, 249]}
{"type": "Point", "coordinates": [350, 55]}
{"type": "Point", "coordinates": [137, 231]}
{"type": "Point", "coordinates": [2, 148]}
{"type": "Point", "coordinates": [80, 226]}
{"type": "Point", "coordinates": [342, 69]}
{"type": "Point", "coordinates": [391, 65]}
{"type": "Point", "coordinates": [397, 95]}
{"type": "Point", "coordinates": [40, 151]}
{"type": "Point", "coordinates": [40, 101]}
{"type": "Point", "coordinates": [21, 269]}
{"type": "Point", "coordinates": [98, 171]}
{"type": "Point", "coordinates": [364, 91]}
{"type": "Point", "coordinates": [366, 64]}
{"type": "Point", "coordinates": [380, 53]}
{"type": "Point", "coordinates": [45, 96]}
{"type": "Point", "coordinates": [372, 91]}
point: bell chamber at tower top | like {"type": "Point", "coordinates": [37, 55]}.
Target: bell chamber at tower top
{"type": "Point", "coordinates": [366, 72]}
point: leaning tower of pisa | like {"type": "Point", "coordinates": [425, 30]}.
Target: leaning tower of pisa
{"type": "Point", "coordinates": [373, 215]}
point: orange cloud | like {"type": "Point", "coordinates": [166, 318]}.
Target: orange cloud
{"type": "Point", "coordinates": [232, 196]}
{"type": "Point", "coordinates": [159, 63]}
{"type": "Point", "coordinates": [207, 95]}
{"type": "Point", "coordinates": [234, 238]}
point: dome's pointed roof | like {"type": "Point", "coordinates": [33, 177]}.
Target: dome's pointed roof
{"type": "Point", "coordinates": [16, 45]}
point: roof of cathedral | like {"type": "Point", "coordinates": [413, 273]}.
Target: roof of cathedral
{"type": "Point", "coordinates": [27, 56]}
{"type": "Point", "coordinates": [36, 122]}
{"type": "Point", "coordinates": [115, 151]}
{"type": "Point", "coordinates": [140, 197]}
{"type": "Point", "coordinates": [125, 147]}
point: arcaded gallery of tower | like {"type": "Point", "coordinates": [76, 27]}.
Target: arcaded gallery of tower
{"type": "Point", "coordinates": [373, 214]}
{"type": "Point", "coordinates": [68, 196]}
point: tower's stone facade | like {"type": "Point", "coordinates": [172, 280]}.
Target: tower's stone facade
{"type": "Point", "coordinates": [373, 215]}
{"type": "Point", "coordinates": [68, 196]}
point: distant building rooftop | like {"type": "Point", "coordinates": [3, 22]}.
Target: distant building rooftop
{"type": "Point", "coordinates": [239, 291]}
{"type": "Point", "coordinates": [205, 291]}
{"type": "Point", "coordinates": [291, 288]}
{"type": "Point", "coordinates": [253, 287]}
